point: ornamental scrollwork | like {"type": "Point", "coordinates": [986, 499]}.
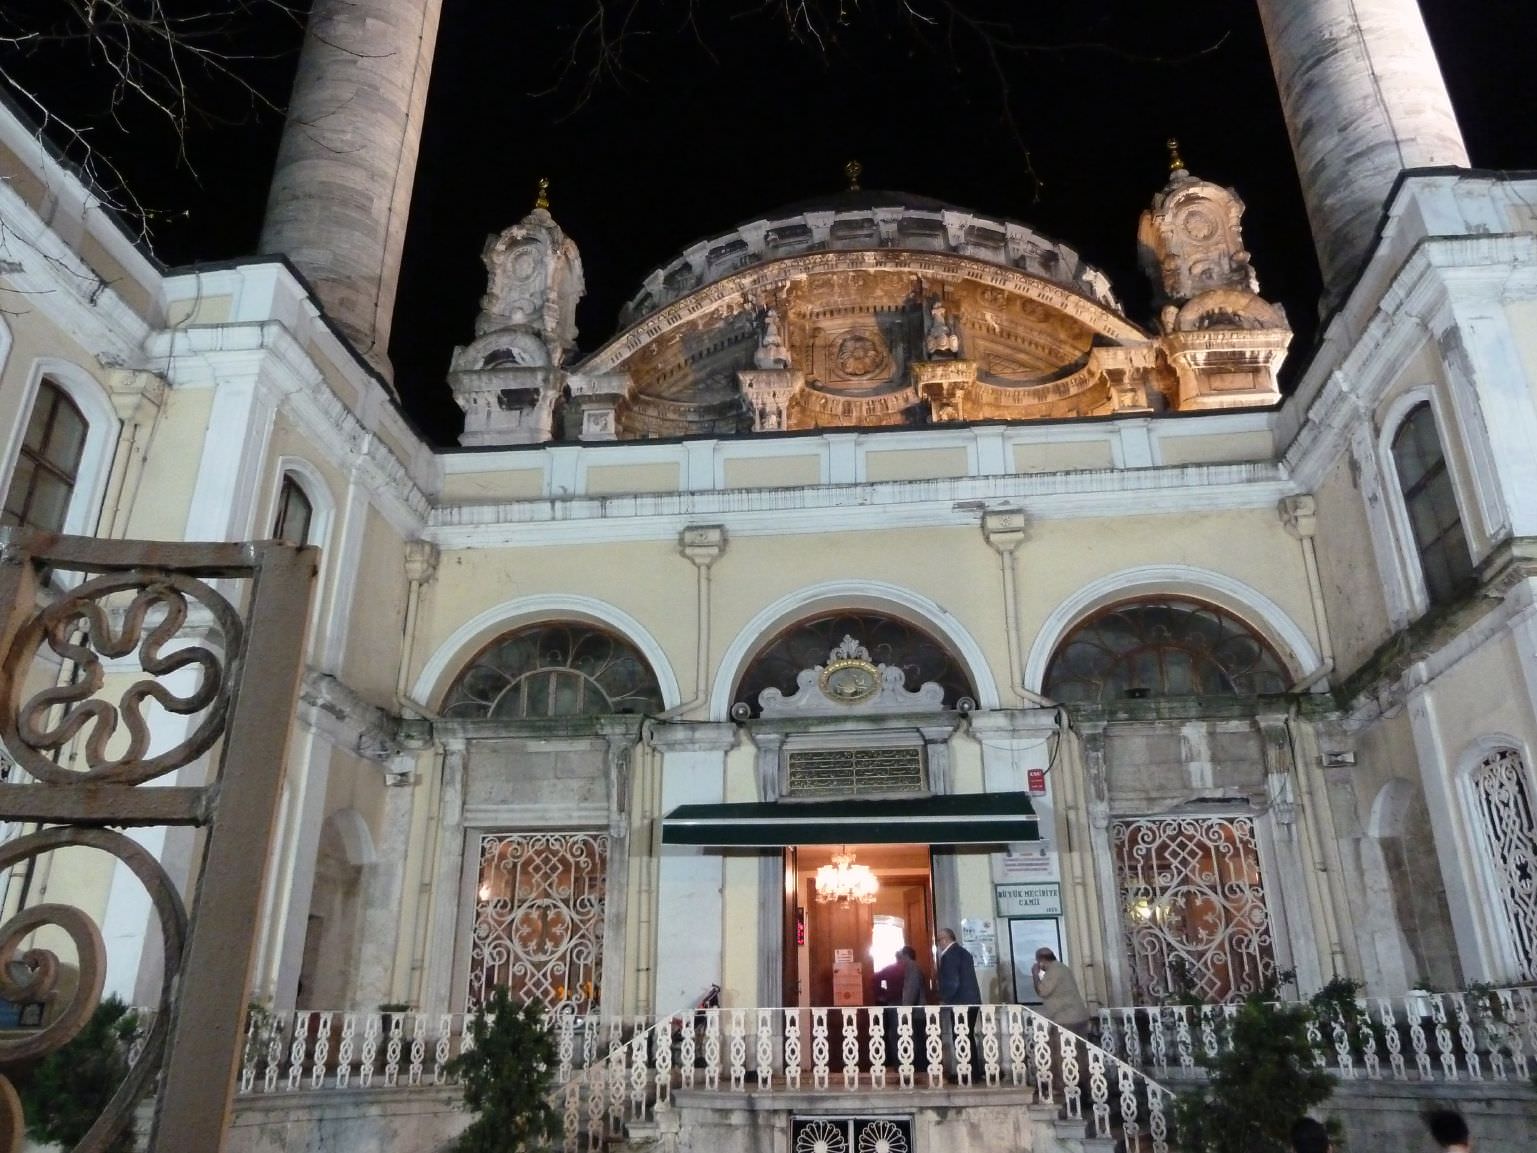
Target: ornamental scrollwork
{"type": "Point", "coordinates": [84, 630]}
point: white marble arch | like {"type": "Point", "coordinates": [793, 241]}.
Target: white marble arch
{"type": "Point", "coordinates": [867, 595]}
{"type": "Point", "coordinates": [1248, 603]}
{"type": "Point", "coordinates": [450, 656]}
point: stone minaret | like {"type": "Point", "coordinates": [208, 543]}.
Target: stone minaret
{"type": "Point", "coordinates": [1364, 100]}
{"type": "Point", "coordinates": [342, 189]}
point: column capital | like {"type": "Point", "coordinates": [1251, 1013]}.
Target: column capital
{"type": "Point", "coordinates": [691, 736]}
{"type": "Point", "coordinates": [1023, 725]}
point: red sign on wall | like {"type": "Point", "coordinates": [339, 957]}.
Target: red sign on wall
{"type": "Point", "coordinates": [1035, 779]}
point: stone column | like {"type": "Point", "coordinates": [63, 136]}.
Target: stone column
{"type": "Point", "coordinates": [1364, 100]}
{"type": "Point", "coordinates": [342, 188]}
{"type": "Point", "coordinates": [447, 885]}
{"type": "Point", "coordinates": [621, 734]}
{"type": "Point", "coordinates": [690, 921]}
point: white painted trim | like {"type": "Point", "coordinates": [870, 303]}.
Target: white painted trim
{"type": "Point", "coordinates": [5, 343]}
{"type": "Point", "coordinates": [1402, 545]}
{"type": "Point", "coordinates": [312, 483]}
{"type": "Point", "coordinates": [101, 436]}
{"type": "Point", "coordinates": [1487, 907]}
{"type": "Point", "coordinates": [1253, 606]}
{"type": "Point", "coordinates": [449, 655]}
{"type": "Point", "coordinates": [849, 594]}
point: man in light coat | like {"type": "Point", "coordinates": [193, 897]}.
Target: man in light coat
{"type": "Point", "coordinates": [1061, 1002]}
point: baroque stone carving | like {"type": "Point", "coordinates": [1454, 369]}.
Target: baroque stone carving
{"type": "Point", "coordinates": [849, 680]}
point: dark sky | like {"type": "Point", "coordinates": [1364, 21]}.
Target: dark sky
{"type": "Point", "coordinates": [1058, 120]}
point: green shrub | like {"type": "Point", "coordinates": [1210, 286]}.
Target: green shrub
{"type": "Point", "coordinates": [1258, 1086]}
{"type": "Point", "coordinates": [507, 1078]}
{"type": "Point", "coordinates": [69, 1089]}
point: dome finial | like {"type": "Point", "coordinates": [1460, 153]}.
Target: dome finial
{"type": "Point", "coordinates": [542, 200]}
{"type": "Point", "coordinates": [852, 170]}
{"type": "Point", "coordinates": [1176, 162]}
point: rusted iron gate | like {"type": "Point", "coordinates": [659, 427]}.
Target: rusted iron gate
{"type": "Point", "coordinates": [176, 608]}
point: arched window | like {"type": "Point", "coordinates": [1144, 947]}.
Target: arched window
{"type": "Point", "coordinates": [890, 640]}
{"type": "Point", "coordinates": [1431, 506]}
{"type": "Point", "coordinates": [296, 513]}
{"type": "Point", "coordinates": [1504, 800]}
{"type": "Point", "coordinates": [48, 463]}
{"type": "Point", "coordinates": [563, 669]}
{"type": "Point", "coordinates": [1168, 647]}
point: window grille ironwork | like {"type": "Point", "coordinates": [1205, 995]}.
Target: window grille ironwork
{"type": "Point", "coordinates": [538, 928]}
{"type": "Point", "coordinates": [851, 1134]}
{"type": "Point", "coordinates": [1166, 647]}
{"type": "Point", "coordinates": [554, 670]}
{"type": "Point", "coordinates": [890, 641]}
{"type": "Point", "coordinates": [1510, 834]}
{"type": "Point", "coordinates": [1194, 917]}
{"type": "Point", "coordinates": [1431, 506]}
{"type": "Point", "coordinates": [850, 772]}
{"type": "Point", "coordinates": [47, 464]}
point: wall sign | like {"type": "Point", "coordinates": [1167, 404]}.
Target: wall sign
{"type": "Point", "coordinates": [1029, 899]}
{"type": "Point", "coordinates": [1035, 781]}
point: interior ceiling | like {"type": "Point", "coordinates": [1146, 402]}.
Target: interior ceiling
{"type": "Point", "coordinates": [881, 858]}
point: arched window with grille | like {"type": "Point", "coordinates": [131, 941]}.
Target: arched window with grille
{"type": "Point", "coordinates": [1163, 647]}
{"type": "Point", "coordinates": [48, 462]}
{"type": "Point", "coordinates": [556, 669]}
{"type": "Point", "coordinates": [1430, 506]}
{"type": "Point", "coordinates": [1502, 796]}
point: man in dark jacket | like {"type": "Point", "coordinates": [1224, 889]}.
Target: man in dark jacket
{"type": "Point", "coordinates": [958, 986]}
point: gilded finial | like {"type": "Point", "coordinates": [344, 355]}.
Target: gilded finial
{"type": "Point", "coordinates": [1176, 162]}
{"type": "Point", "coordinates": [852, 170]}
{"type": "Point", "coordinates": [543, 199]}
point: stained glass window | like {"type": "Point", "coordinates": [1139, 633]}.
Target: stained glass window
{"type": "Point", "coordinates": [563, 669]}
{"type": "Point", "coordinates": [1168, 647]}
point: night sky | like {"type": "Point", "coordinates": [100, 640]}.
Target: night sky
{"type": "Point", "coordinates": [1058, 121]}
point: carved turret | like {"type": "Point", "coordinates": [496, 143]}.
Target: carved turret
{"type": "Point", "coordinates": [1224, 341]}
{"type": "Point", "coordinates": [509, 379]}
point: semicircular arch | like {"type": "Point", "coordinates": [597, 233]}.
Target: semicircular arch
{"type": "Point", "coordinates": [450, 657]}
{"type": "Point", "coordinates": [1244, 601]}
{"type": "Point", "coordinates": [875, 596]}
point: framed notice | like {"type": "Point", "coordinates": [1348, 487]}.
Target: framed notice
{"type": "Point", "coordinates": [1026, 935]}
{"type": "Point", "coordinates": [1029, 899]}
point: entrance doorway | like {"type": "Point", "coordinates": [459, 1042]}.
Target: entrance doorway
{"type": "Point", "coordinates": [834, 949]}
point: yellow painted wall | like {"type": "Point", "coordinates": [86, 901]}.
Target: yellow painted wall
{"type": "Point", "coordinates": [1347, 569]}
{"type": "Point", "coordinates": [609, 479]}
{"type": "Point", "coordinates": [1063, 456]}
{"type": "Point", "coordinates": [165, 490]}
{"type": "Point", "coordinates": [510, 484]}
{"type": "Point", "coordinates": [378, 614]}
{"type": "Point", "coordinates": [915, 464]}
{"type": "Point", "coordinates": [773, 471]}
{"type": "Point", "coordinates": [1234, 447]}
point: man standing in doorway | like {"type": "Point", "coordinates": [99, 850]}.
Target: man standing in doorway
{"type": "Point", "coordinates": [958, 986]}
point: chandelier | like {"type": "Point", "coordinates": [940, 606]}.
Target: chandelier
{"type": "Point", "coordinates": [843, 880]}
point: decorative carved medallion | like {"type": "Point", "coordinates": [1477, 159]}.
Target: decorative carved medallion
{"type": "Point", "coordinates": [849, 677]}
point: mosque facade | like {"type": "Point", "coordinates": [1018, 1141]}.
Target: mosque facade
{"type": "Point", "coordinates": [878, 538]}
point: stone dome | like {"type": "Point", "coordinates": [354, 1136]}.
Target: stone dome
{"type": "Point", "coordinates": [856, 219]}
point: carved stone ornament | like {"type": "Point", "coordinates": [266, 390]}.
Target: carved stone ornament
{"type": "Point", "coordinates": [847, 681]}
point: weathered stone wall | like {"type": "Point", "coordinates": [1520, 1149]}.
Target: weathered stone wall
{"type": "Point", "coordinates": [417, 1118]}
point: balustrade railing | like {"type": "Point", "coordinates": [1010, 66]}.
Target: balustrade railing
{"type": "Point", "coordinates": [613, 1072]}
{"type": "Point", "coordinates": [1478, 1035]}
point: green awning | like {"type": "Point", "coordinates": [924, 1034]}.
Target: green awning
{"type": "Point", "coordinates": [956, 819]}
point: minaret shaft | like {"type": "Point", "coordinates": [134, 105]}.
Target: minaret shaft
{"type": "Point", "coordinates": [342, 187]}
{"type": "Point", "coordinates": [1364, 100]}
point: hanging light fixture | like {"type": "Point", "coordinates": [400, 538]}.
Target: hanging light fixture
{"type": "Point", "coordinates": [843, 880]}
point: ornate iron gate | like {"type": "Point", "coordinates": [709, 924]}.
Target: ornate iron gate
{"type": "Point", "coordinates": [539, 918]}
{"type": "Point", "coordinates": [1193, 912]}
{"type": "Point", "coordinates": [1510, 834]}
{"type": "Point", "coordinates": [166, 615]}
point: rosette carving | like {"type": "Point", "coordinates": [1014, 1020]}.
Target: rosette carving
{"type": "Point", "coordinates": [84, 629]}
